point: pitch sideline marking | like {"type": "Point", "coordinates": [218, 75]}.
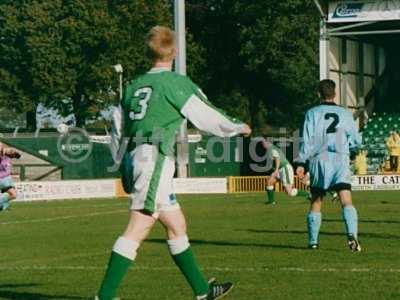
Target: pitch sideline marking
{"type": "Point", "coordinates": [64, 217]}
{"type": "Point", "coordinates": [221, 269]}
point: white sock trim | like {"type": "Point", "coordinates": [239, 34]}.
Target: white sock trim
{"type": "Point", "coordinates": [348, 206]}
{"type": "Point", "coordinates": [270, 188]}
{"type": "Point", "coordinates": [178, 245]}
{"type": "Point", "coordinates": [125, 247]}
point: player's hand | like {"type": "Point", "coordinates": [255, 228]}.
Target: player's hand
{"type": "Point", "coordinates": [275, 173]}
{"type": "Point", "coordinates": [300, 172]}
{"type": "Point", "coordinates": [246, 130]}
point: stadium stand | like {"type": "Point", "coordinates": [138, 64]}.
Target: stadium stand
{"type": "Point", "coordinates": [375, 133]}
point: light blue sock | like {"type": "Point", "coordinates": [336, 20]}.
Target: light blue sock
{"type": "Point", "coordinates": [313, 224]}
{"type": "Point", "coordinates": [4, 198]}
{"type": "Point", "coordinates": [351, 220]}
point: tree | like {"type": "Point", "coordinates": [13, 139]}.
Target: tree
{"type": "Point", "coordinates": [256, 59]}
{"type": "Point", "coordinates": [262, 57]}
{"type": "Point", "coordinates": [280, 49]}
{"type": "Point", "coordinates": [213, 25]}
{"type": "Point", "coordinates": [63, 49]}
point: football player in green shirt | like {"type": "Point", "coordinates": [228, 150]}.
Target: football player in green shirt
{"type": "Point", "coordinates": [151, 112]}
{"type": "Point", "coordinates": [283, 171]}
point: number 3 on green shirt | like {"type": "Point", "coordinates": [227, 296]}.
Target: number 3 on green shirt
{"type": "Point", "coordinates": [144, 95]}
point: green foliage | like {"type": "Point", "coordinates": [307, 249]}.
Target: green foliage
{"type": "Point", "coordinates": [278, 47]}
{"type": "Point", "coordinates": [264, 50]}
{"type": "Point", "coordinates": [256, 59]}
{"type": "Point", "coordinates": [54, 50]}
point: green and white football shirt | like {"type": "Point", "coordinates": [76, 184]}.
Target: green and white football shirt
{"type": "Point", "coordinates": [274, 152]}
{"type": "Point", "coordinates": [155, 105]}
{"type": "Point", "coordinates": [286, 173]}
{"type": "Point", "coordinates": [151, 112]}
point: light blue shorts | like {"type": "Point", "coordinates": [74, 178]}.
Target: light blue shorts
{"type": "Point", "coordinates": [6, 183]}
{"type": "Point", "coordinates": [330, 170]}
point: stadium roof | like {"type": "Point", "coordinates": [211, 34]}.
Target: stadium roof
{"type": "Point", "coordinates": [360, 18]}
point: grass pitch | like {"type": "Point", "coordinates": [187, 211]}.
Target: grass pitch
{"type": "Point", "coordinates": [58, 250]}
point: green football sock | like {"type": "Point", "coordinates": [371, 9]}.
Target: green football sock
{"type": "Point", "coordinates": [270, 195]}
{"type": "Point", "coordinates": [117, 268]}
{"type": "Point", "coordinates": [122, 257]}
{"type": "Point", "coordinates": [186, 262]}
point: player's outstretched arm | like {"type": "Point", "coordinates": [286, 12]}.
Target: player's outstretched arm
{"type": "Point", "coordinates": [207, 118]}
{"type": "Point", "coordinates": [192, 103]}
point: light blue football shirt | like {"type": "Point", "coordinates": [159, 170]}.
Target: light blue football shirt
{"type": "Point", "coordinates": [328, 128]}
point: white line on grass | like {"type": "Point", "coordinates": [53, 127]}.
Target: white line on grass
{"type": "Point", "coordinates": [219, 269]}
{"type": "Point", "coordinates": [64, 217]}
{"type": "Point", "coordinates": [121, 204]}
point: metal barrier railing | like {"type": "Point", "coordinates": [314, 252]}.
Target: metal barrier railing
{"type": "Point", "coordinates": [256, 184]}
{"type": "Point", "coordinates": [49, 171]}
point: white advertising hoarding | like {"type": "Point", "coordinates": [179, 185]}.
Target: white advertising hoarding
{"type": "Point", "coordinates": [200, 185]}
{"type": "Point", "coordinates": [376, 183]}
{"type": "Point", "coordinates": [68, 189]}
{"type": "Point", "coordinates": [107, 188]}
{"type": "Point", "coordinates": [359, 11]}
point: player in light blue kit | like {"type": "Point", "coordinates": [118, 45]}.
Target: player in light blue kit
{"type": "Point", "coordinates": [329, 133]}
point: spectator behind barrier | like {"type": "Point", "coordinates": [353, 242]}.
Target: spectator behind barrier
{"type": "Point", "coordinates": [397, 150]}
{"type": "Point", "coordinates": [360, 163]}
{"type": "Point", "coordinates": [393, 145]}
